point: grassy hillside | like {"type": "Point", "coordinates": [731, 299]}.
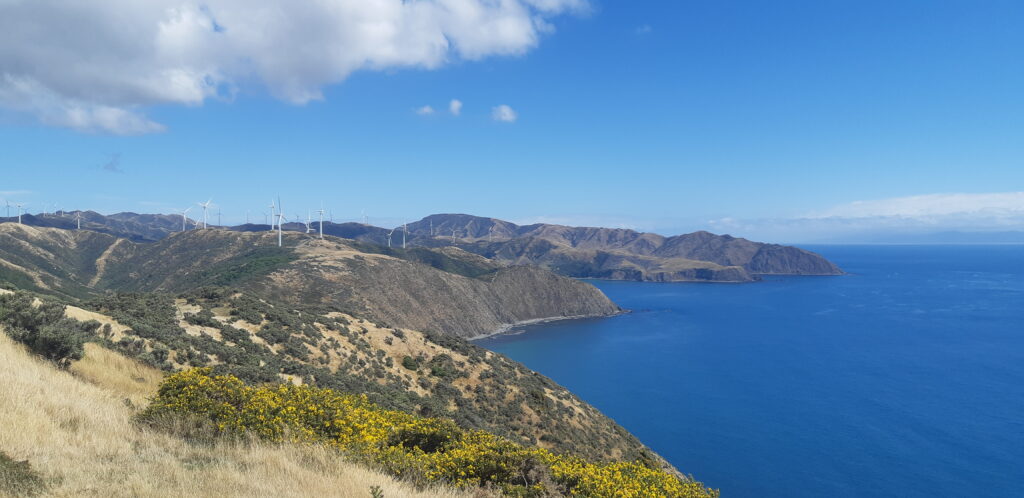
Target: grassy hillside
{"type": "Point", "coordinates": [66, 436]}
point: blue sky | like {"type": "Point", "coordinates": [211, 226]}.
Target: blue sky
{"type": "Point", "coordinates": [740, 117]}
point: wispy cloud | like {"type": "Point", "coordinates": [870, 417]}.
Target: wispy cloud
{"type": "Point", "coordinates": [504, 114]}
{"type": "Point", "coordinates": [881, 219]}
{"type": "Point", "coordinates": [455, 107]}
{"type": "Point", "coordinates": [13, 193]}
{"type": "Point", "coordinates": [113, 165]}
{"type": "Point", "coordinates": [932, 205]}
{"type": "Point", "coordinates": [424, 111]}
{"type": "Point", "coordinates": [645, 29]}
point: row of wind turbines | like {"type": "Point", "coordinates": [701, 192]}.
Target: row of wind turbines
{"type": "Point", "coordinates": [276, 215]}
{"type": "Point", "coordinates": [57, 210]}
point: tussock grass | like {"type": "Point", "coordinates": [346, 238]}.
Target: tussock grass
{"type": "Point", "coordinates": [80, 438]}
{"type": "Point", "coordinates": [125, 377]}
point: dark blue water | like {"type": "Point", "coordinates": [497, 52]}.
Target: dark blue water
{"type": "Point", "coordinates": [905, 378]}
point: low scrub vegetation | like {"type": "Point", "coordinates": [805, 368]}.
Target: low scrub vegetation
{"type": "Point", "coordinates": [44, 329]}
{"type": "Point", "coordinates": [420, 449]}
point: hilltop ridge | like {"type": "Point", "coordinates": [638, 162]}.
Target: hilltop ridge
{"type": "Point", "coordinates": [442, 289]}
{"type": "Point", "coordinates": [580, 252]}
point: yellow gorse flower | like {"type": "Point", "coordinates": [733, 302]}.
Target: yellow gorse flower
{"type": "Point", "coordinates": [403, 444]}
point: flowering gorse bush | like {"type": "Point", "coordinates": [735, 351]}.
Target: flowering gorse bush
{"type": "Point", "coordinates": [417, 448]}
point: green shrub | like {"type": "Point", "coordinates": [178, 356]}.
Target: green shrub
{"type": "Point", "coordinates": [18, 478]}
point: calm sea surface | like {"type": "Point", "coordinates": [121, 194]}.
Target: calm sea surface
{"type": "Point", "coordinates": [904, 379]}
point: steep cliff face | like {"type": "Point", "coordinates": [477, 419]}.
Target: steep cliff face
{"type": "Point", "coordinates": [444, 290]}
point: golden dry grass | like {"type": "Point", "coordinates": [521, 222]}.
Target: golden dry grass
{"type": "Point", "coordinates": [81, 438]}
{"type": "Point", "coordinates": [124, 377]}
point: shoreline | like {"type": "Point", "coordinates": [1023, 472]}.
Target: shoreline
{"type": "Point", "coordinates": [508, 327]}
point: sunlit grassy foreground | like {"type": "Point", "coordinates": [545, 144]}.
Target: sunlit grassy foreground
{"type": "Point", "coordinates": [80, 439]}
{"type": "Point", "coordinates": [417, 449]}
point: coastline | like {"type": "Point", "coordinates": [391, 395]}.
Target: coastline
{"type": "Point", "coordinates": [508, 327]}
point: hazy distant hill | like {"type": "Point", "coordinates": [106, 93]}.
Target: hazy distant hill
{"type": "Point", "coordinates": [584, 252]}
{"type": "Point", "coordinates": [619, 253]}
{"type": "Point", "coordinates": [444, 290]}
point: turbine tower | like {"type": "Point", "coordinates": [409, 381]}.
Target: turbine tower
{"type": "Point", "coordinates": [206, 206]}
{"type": "Point", "coordinates": [183, 218]}
{"type": "Point", "coordinates": [20, 211]}
{"type": "Point", "coordinates": [280, 221]}
{"type": "Point", "coordinates": [321, 211]}
{"type": "Point", "coordinates": [389, 237]}
{"type": "Point", "coordinates": [405, 231]}
{"type": "Point", "coordinates": [272, 207]}
{"type": "Point", "coordinates": [309, 221]}
{"type": "Point", "coordinates": [78, 218]}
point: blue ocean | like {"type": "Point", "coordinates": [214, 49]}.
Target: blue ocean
{"type": "Point", "coordinates": [904, 378]}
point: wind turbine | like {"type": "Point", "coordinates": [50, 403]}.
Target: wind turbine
{"type": "Point", "coordinates": [78, 218]}
{"type": "Point", "coordinates": [453, 235]}
{"type": "Point", "coordinates": [218, 216]}
{"type": "Point", "coordinates": [364, 217]}
{"type": "Point", "coordinates": [321, 211]}
{"type": "Point", "coordinates": [8, 208]}
{"type": "Point", "coordinates": [280, 221]}
{"type": "Point", "coordinates": [183, 212]}
{"type": "Point", "coordinates": [19, 212]}
{"type": "Point", "coordinates": [405, 231]}
{"type": "Point", "coordinates": [309, 221]}
{"type": "Point", "coordinates": [272, 206]}
{"type": "Point", "coordinates": [205, 205]}
{"type": "Point", "coordinates": [389, 237]}
{"type": "Point", "coordinates": [266, 220]}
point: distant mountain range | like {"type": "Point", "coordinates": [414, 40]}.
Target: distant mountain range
{"type": "Point", "coordinates": [580, 252]}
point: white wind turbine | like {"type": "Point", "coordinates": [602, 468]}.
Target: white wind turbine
{"type": "Point", "coordinates": [272, 207]}
{"type": "Point", "coordinates": [78, 218]}
{"type": "Point", "coordinates": [405, 231]}
{"type": "Point", "coordinates": [389, 237]}
{"type": "Point", "coordinates": [364, 217]}
{"type": "Point", "coordinates": [309, 221]}
{"type": "Point", "coordinates": [183, 218]}
{"type": "Point", "coordinates": [20, 211]}
{"type": "Point", "coordinates": [321, 211]}
{"type": "Point", "coordinates": [280, 221]}
{"type": "Point", "coordinates": [205, 206]}
{"type": "Point", "coordinates": [8, 208]}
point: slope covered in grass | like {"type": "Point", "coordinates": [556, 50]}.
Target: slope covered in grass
{"type": "Point", "coordinates": [80, 440]}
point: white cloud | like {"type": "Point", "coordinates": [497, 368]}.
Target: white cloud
{"type": "Point", "coordinates": [932, 205]}
{"type": "Point", "coordinates": [455, 107]}
{"type": "Point", "coordinates": [889, 219]}
{"type": "Point", "coordinates": [645, 29]}
{"type": "Point", "coordinates": [504, 114]}
{"type": "Point", "coordinates": [96, 66]}
{"type": "Point", "coordinates": [425, 110]}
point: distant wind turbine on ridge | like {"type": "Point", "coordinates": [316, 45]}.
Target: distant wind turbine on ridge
{"type": "Point", "coordinates": [206, 206]}
{"type": "Point", "coordinates": [272, 214]}
{"type": "Point", "coordinates": [280, 221]}
{"type": "Point", "coordinates": [183, 218]}
{"type": "Point", "coordinates": [321, 211]}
